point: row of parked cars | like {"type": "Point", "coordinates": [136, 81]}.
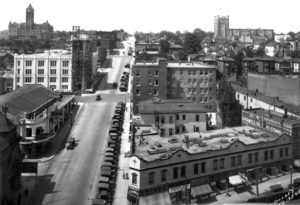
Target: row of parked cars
{"type": "Point", "coordinates": [109, 167]}
{"type": "Point", "coordinates": [124, 82]}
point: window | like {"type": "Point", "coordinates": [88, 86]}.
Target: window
{"type": "Point", "coordinates": [194, 72]}
{"type": "Point", "coordinates": [65, 63]}
{"type": "Point", "coordinates": [177, 130]}
{"type": "Point", "coordinates": [206, 72]}
{"type": "Point", "coordinates": [162, 132]}
{"type": "Point", "coordinates": [170, 131]}
{"type": "Point", "coordinates": [52, 79]}
{"type": "Point", "coordinates": [65, 87]}
{"type": "Point", "coordinates": [194, 80]}
{"type": "Point", "coordinates": [156, 83]}
{"type": "Point", "coordinates": [156, 73]}
{"type": "Point", "coordinates": [189, 90]}
{"type": "Point", "coordinates": [52, 71]}
{"type": "Point", "coordinates": [215, 165]}
{"type": "Point", "coordinates": [196, 168]}
{"type": "Point", "coordinates": [134, 178]}
{"type": "Point", "coordinates": [149, 72]}
{"type": "Point", "coordinates": [65, 71]}
{"type": "Point", "coordinates": [28, 80]}
{"type": "Point", "coordinates": [177, 117]}
{"type": "Point", "coordinates": [189, 72]}
{"type": "Point", "coordinates": [155, 92]}
{"type": "Point", "coordinates": [222, 163]}
{"type": "Point", "coordinates": [205, 99]}
{"type": "Point", "coordinates": [170, 119]}
{"type": "Point", "coordinates": [52, 87]}
{"type": "Point", "coordinates": [197, 118]}
{"type": "Point", "coordinates": [41, 63]}
{"type": "Point", "coordinates": [189, 80]}
{"type": "Point", "coordinates": [250, 158]}
{"type": "Point", "coordinates": [41, 71]}
{"type": "Point", "coordinates": [271, 154]}
{"type": "Point", "coordinates": [194, 90]}
{"type": "Point", "coordinates": [203, 167]}
{"type": "Point", "coordinates": [18, 79]}
{"type": "Point", "coordinates": [251, 100]}
{"type": "Point", "coordinates": [53, 63]}
{"type": "Point", "coordinates": [286, 151]}
{"type": "Point", "coordinates": [239, 160]}
{"type": "Point", "coordinates": [65, 79]}
{"type": "Point", "coordinates": [201, 90]}
{"type": "Point", "coordinates": [138, 82]}
{"type": "Point", "coordinates": [28, 63]}
{"type": "Point", "coordinates": [244, 97]}
{"type": "Point", "coordinates": [210, 80]}
{"type": "Point", "coordinates": [256, 157]}
{"type": "Point", "coordinates": [281, 152]}
{"type": "Point", "coordinates": [19, 63]}
{"type": "Point", "coordinates": [266, 154]}
{"type": "Point", "coordinates": [149, 82]}
{"type": "Point", "coordinates": [137, 91]}
{"type": "Point", "coordinates": [18, 71]}
{"type": "Point", "coordinates": [164, 175]}
{"type": "Point", "coordinates": [232, 161]}
{"type": "Point", "coordinates": [162, 119]}
{"type": "Point", "coordinates": [183, 117]}
{"type": "Point", "coordinates": [151, 178]}
{"type": "Point", "coordinates": [40, 79]}
{"type": "Point", "coordinates": [201, 72]}
{"type": "Point", "coordinates": [238, 96]}
{"type": "Point", "coordinates": [175, 172]}
{"type": "Point", "coordinates": [183, 128]}
{"type": "Point", "coordinates": [28, 132]}
{"type": "Point", "coordinates": [28, 71]}
{"type": "Point", "coordinates": [183, 171]}
{"type": "Point", "coordinates": [138, 73]}
{"type": "Point", "coordinates": [149, 92]}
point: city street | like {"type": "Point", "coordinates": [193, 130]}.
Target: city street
{"type": "Point", "coordinates": [71, 177]}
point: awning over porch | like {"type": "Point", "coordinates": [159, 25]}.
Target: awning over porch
{"type": "Point", "coordinates": [236, 180]}
{"type": "Point", "coordinates": [201, 190]}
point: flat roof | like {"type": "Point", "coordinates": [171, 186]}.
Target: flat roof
{"type": "Point", "coordinates": [189, 65]}
{"type": "Point", "coordinates": [200, 142]}
{"type": "Point", "coordinates": [170, 106]}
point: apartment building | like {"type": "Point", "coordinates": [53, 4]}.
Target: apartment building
{"type": "Point", "coordinates": [179, 164]}
{"type": "Point", "coordinates": [172, 117]}
{"type": "Point", "coordinates": [170, 80]}
{"type": "Point", "coordinates": [52, 69]}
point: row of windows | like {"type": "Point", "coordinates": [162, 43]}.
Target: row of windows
{"type": "Point", "coordinates": [177, 130]}
{"type": "Point", "coordinates": [28, 63]}
{"type": "Point", "coordinates": [245, 97]}
{"type": "Point", "coordinates": [196, 72]}
{"type": "Point", "coordinates": [41, 79]}
{"type": "Point", "coordinates": [200, 81]}
{"type": "Point", "coordinates": [156, 83]}
{"type": "Point", "coordinates": [156, 73]}
{"type": "Point", "coordinates": [155, 92]}
{"type": "Point", "coordinates": [42, 71]}
{"type": "Point", "coordinates": [200, 90]}
{"type": "Point", "coordinates": [236, 161]}
{"type": "Point", "coordinates": [163, 120]}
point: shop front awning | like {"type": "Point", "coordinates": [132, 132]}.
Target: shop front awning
{"type": "Point", "coordinates": [201, 190]}
{"type": "Point", "coordinates": [236, 180]}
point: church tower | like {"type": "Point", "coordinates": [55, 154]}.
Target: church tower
{"type": "Point", "coordinates": [29, 18]}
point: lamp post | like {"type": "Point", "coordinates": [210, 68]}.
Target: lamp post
{"type": "Point", "coordinates": [291, 175]}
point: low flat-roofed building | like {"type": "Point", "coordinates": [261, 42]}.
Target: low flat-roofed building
{"type": "Point", "coordinates": [182, 162]}
{"type": "Point", "coordinates": [275, 122]}
{"type": "Point", "coordinates": [172, 117]}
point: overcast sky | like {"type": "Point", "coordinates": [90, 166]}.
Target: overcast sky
{"type": "Point", "coordinates": [155, 15]}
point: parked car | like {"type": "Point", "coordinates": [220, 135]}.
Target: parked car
{"type": "Point", "coordinates": [127, 65]}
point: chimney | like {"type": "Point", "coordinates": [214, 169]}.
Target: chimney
{"type": "Point", "coordinates": [187, 141]}
{"type": "Point", "coordinates": [285, 113]}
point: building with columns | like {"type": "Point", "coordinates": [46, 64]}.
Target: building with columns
{"type": "Point", "coordinates": [53, 69]}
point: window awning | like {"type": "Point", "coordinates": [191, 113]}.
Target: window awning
{"type": "Point", "coordinates": [201, 190]}
{"type": "Point", "coordinates": [236, 180]}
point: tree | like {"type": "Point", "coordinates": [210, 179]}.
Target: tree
{"type": "Point", "coordinates": [292, 35]}
{"type": "Point", "coordinates": [192, 44]}
{"type": "Point", "coordinates": [182, 56]}
{"type": "Point", "coordinates": [165, 45]}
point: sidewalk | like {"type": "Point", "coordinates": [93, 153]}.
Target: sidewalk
{"type": "Point", "coordinates": [58, 142]}
{"type": "Point", "coordinates": [120, 196]}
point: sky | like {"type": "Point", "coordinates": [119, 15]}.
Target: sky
{"type": "Point", "coordinates": [155, 15]}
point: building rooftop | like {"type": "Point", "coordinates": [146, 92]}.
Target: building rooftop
{"type": "Point", "coordinates": [26, 99]}
{"type": "Point", "coordinates": [274, 117]}
{"type": "Point", "coordinates": [267, 99]}
{"type": "Point", "coordinates": [170, 106]}
{"type": "Point", "coordinates": [154, 147]}
{"type": "Point", "coordinates": [189, 65]}
{"type": "Point", "coordinates": [47, 53]}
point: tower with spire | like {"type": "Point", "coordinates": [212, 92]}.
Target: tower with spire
{"type": "Point", "coordinates": [29, 18]}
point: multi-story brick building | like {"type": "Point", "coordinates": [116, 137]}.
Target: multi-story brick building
{"type": "Point", "coordinates": [169, 80]}
{"type": "Point", "coordinates": [53, 69]}
{"type": "Point", "coordinates": [172, 117]}
{"type": "Point", "coordinates": [179, 164]}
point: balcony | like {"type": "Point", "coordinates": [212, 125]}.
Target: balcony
{"type": "Point", "coordinates": [38, 119]}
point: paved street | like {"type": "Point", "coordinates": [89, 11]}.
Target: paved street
{"type": "Point", "coordinates": [71, 177]}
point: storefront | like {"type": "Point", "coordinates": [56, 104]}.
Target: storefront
{"type": "Point", "coordinates": [200, 193]}
{"type": "Point", "coordinates": [180, 193]}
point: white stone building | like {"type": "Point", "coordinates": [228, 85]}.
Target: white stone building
{"type": "Point", "coordinates": [53, 69]}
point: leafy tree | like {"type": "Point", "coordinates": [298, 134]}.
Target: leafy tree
{"type": "Point", "coordinates": [192, 44]}
{"type": "Point", "coordinates": [292, 35]}
{"type": "Point", "coordinates": [229, 106]}
{"type": "Point", "coordinates": [182, 56]}
{"type": "Point", "coordinates": [165, 45]}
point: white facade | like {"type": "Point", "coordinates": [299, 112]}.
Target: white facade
{"type": "Point", "coordinates": [53, 69]}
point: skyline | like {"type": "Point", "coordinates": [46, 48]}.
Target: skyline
{"type": "Point", "coordinates": [155, 15]}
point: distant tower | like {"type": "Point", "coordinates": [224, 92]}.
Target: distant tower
{"type": "Point", "coordinates": [29, 18]}
{"type": "Point", "coordinates": [221, 26]}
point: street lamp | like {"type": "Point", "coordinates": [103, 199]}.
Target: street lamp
{"type": "Point", "coordinates": [291, 174]}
